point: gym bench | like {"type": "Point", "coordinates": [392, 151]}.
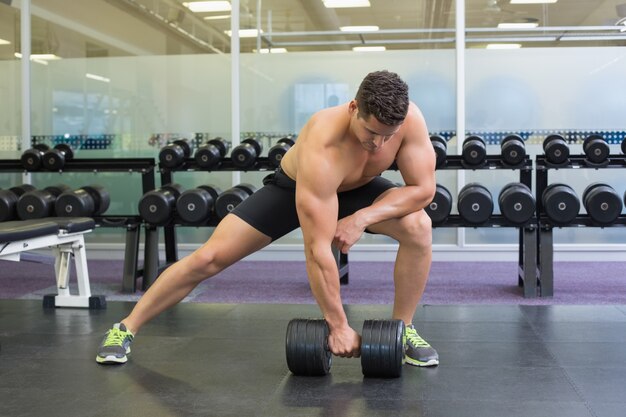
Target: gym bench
{"type": "Point", "coordinates": [64, 235]}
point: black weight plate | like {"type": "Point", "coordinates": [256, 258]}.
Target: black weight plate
{"type": "Point", "coordinates": [156, 206]}
{"type": "Point", "coordinates": [100, 196]}
{"type": "Point", "coordinates": [228, 200]}
{"type": "Point", "coordinates": [439, 209]}
{"type": "Point", "coordinates": [560, 203]}
{"type": "Point", "coordinates": [244, 155]}
{"type": "Point", "coordinates": [602, 203]}
{"type": "Point", "coordinates": [32, 159]}
{"type": "Point", "coordinates": [513, 150]}
{"type": "Point", "coordinates": [184, 145]}
{"type": "Point", "coordinates": [208, 156]}
{"type": "Point", "coordinates": [306, 347]}
{"type": "Point", "coordinates": [35, 205]}
{"type": "Point", "coordinates": [382, 348]}
{"type": "Point", "coordinates": [556, 149]}
{"type": "Point", "coordinates": [171, 156]}
{"type": "Point", "coordinates": [596, 149]}
{"type": "Point", "coordinates": [221, 144]}
{"type": "Point", "coordinates": [78, 203]}
{"type": "Point", "coordinates": [441, 148]}
{"type": "Point", "coordinates": [195, 205]}
{"type": "Point", "coordinates": [276, 153]}
{"type": "Point", "coordinates": [475, 204]}
{"type": "Point", "coordinates": [517, 203]}
{"type": "Point", "coordinates": [474, 150]}
{"type": "Point", "coordinates": [8, 203]}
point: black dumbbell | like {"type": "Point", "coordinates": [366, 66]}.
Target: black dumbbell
{"type": "Point", "coordinates": [517, 203]}
{"type": "Point", "coordinates": [602, 203]}
{"type": "Point", "coordinates": [555, 148]}
{"type": "Point", "coordinates": [560, 203]}
{"type": "Point", "coordinates": [8, 201]}
{"type": "Point", "coordinates": [474, 150]}
{"type": "Point", "coordinates": [439, 209]}
{"type": "Point", "coordinates": [596, 149]}
{"type": "Point", "coordinates": [54, 159]}
{"type": "Point", "coordinates": [157, 206]}
{"type": "Point", "coordinates": [195, 206]}
{"type": "Point", "coordinates": [245, 155]}
{"type": "Point", "coordinates": [382, 348]}
{"type": "Point", "coordinates": [276, 152]}
{"type": "Point", "coordinates": [36, 204]}
{"type": "Point", "coordinates": [441, 149]}
{"type": "Point", "coordinates": [623, 145]}
{"type": "Point", "coordinates": [231, 198]}
{"type": "Point", "coordinates": [87, 201]}
{"type": "Point", "coordinates": [32, 159]}
{"type": "Point", "coordinates": [475, 204]}
{"type": "Point", "coordinates": [175, 153]}
{"type": "Point", "coordinates": [210, 154]}
{"type": "Point", "coordinates": [512, 150]}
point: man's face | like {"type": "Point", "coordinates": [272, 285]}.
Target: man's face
{"type": "Point", "coordinates": [372, 134]}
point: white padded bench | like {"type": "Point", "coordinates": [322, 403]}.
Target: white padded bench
{"type": "Point", "coordinates": [64, 235]}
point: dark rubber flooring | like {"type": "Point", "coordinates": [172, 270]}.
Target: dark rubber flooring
{"type": "Point", "coordinates": [228, 360]}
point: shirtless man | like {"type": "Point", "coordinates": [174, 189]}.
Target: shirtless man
{"type": "Point", "coordinates": [329, 185]}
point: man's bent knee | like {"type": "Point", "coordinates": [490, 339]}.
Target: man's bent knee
{"type": "Point", "coordinates": [416, 229]}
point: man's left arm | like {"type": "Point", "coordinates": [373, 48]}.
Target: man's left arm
{"type": "Point", "coordinates": [416, 161]}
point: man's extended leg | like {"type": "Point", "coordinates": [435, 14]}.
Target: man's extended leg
{"type": "Point", "coordinates": [414, 234]}
{"type": "Point", "coordinates": [232, 240]}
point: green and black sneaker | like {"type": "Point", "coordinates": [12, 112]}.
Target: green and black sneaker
{"type": "Point", "coordinates": [417, 351]}
{"type": "Point", "coordinates": [115, 346]}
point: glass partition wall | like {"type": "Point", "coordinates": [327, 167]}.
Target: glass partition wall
{"type": "Point", "coordinates": [120, 78]}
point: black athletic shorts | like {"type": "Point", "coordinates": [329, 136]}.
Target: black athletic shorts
{"type": "Point", "coordinates": [272, 209]}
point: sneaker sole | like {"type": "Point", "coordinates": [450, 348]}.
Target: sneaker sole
{"type": "Point", "coordinates": [111, 359]}
{"type": "Point", "coordinates": [414, 362]}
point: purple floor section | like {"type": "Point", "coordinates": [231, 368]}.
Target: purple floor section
{"type": "Point", "coordinates": [370, 283]}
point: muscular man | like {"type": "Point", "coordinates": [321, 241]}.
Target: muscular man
{"type": "Point", "coordinates": [329, 185]}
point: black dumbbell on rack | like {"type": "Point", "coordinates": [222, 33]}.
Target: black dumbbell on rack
{"type": "Point", "coordinates": [195, 206]}
{"type": "Point", "coordinates": [475, 203]}
{"type": "Point", "coordinates": [175, 153]}
{"type": "Point", "coordinates": [209, 155]}
{"type": "Point", "coordinates": [245, 155]}
{"type": "Point", "coordinates": [439, 209]}
{"type": "Point", "coordinates": [87, 201]}
{"type": "Point", "coordinates": [231, 198]}
{"type": "Point", "coordinates": [54, 159]}
{"type": "Point", "coordinates": [560, 203]}
{"type": "Point", "coordinates": [517, 203]}
{"type": "Point", "coordinates": [157, 206]}
{"type": "Point", "coordinates": [441, 149]}
{"type": "Point", "coordinates": [556, 150]}
{"type": "Point", "coordinates": [32, 159]}
{"type": "Point", "coordinates": [9, 199]}
{"type": "Point", "coordinates": [36, 204]}
{"type": "Point", "coordinates": [474, 150]}
{"type": "Point", "coordinates": [276, 152]}
{"type": "Point", "coordinates": [596, 149]}
{"type": "Point", "coordinates": [602, 203]}
{"type": "Point", "coordinates": [382, 348]}
{"type": "Point", "coordinates": [512, 150]}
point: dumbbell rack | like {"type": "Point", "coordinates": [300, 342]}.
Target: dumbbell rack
{"type": "Point", "coordinates": [132, 223]}
{"type": "Point", "coordinates": [152, 265]}
{"type": "Point", "coordinates": [527, 259]}
{"type": "Point", "coordinates": [545, 241]}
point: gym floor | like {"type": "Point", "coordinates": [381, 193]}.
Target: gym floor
{"type": "Point", "coordinates": [228, 360]}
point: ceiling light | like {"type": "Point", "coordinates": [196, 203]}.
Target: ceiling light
{"type": "Point", "coordinates": [272, 51]}
{"type": "Point", "coordinates": [346, 3]}
{"type": "Point", "coordinates": [245, 33]}
{"type": "Point", "coordinates": [208, 6]}
{"type": "Point", "coordinates": [369, 48]}
{"type": "Point", "coordinates": [532, 1]}
{"type": "Point", "coordinates": [524, 25]}
{"type": "Point", "coordinates": [358, 28]}
{"type": "Point", "coordinates": [43, 57]}
{"type": "Point", "coordinates": [504, 46]}
{"type": "Point", "coordinates": [98, 78]}
{"type": "Point", "coordinates": [217, 17]}
{"type": "Point", "coordinates": [3, 42]}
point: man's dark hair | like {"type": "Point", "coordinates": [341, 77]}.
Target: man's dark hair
{"type": "Point", "coordinates": [384, 95]}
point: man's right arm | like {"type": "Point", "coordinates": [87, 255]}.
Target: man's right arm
{"type": "Point", "coordinates": [317, 205]}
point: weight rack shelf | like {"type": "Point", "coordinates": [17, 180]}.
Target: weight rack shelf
{"type": "Point", "coordinates": [144, 166]}
{"type": "Point", "coordinates": [545, 241]}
